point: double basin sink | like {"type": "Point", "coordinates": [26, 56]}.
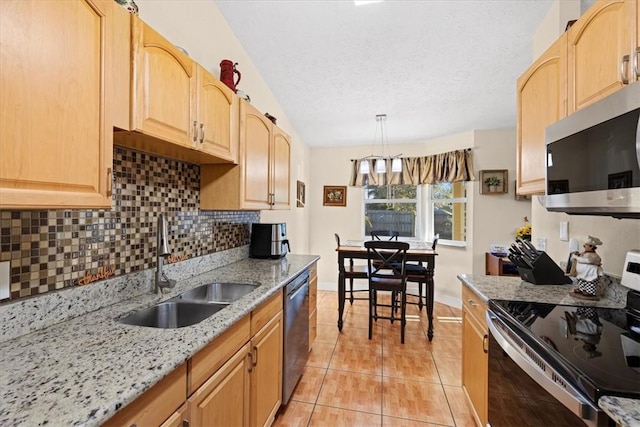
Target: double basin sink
{"type": "Point", "coordinates": [190, 307]}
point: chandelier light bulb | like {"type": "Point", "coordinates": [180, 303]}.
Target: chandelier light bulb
{"type": "Point", "coordinates": [396, 165]}
{"type": "Point", "coordinates": [364, 166]}
{"type": "Point", "coordinates": [381, 167]}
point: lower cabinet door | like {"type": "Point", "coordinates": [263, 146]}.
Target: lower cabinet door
{"type": "Point", "coordinates": [180, 418]}
{"type": "Point", "coordinates": [266, 375]}
{"type": "Point", "coordinates": [223, 399]}
{"type": "Point", "coordinates": [475, 366]}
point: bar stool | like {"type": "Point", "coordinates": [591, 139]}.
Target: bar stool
{"type": "Point", "coordinates": [352, 272]}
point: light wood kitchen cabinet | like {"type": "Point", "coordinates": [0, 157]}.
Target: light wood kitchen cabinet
{"type": "Point", "coordinates": [162, 403]}
{"type": "Point", "coordinates": [541, 94]}
{"type": "Point", "coordinates": [178, 109]}
{"type": "Point", "coordinates": [261, 180]}
{"type": "Point", "coordinates": [55, 112]}
{"type": "Point", "coordinates": [223, 399]}
{"type": "Point", "coordinates": [313, 303]}
{"type": "Point", "coordinates": [217, 118]}
{"type": "Point", "coordinates": [602, 46]}
{"type": "Point", "coordinates": [163, 89]}
{"type": "Point", "coordinates": [266, 373]}
{"type": "Point", "coordinates": [180, 418]}
{"type": "Point", "coordinates": [475, 357]}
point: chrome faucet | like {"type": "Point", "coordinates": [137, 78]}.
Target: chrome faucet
{"type": "Point", "coordinates": [162, 251]}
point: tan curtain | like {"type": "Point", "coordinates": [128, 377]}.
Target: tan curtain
{"type": "Point", "coordinates": [453, 166]}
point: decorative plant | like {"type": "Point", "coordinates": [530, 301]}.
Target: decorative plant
{"type": "Point", "coordinates": [492, 181]}
{"type": "Point", "coordinates": [524, 232]}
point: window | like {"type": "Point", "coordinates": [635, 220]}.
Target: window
{"type": "Point", "coordinates": [447, 209]}
{"type": "Point", "coordinates": [399, 207]}
{"type": "Point", "coordinates": [392, 207]}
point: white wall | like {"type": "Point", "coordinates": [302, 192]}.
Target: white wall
{"type": "Point", "coordinates": [492, 149]}
{"type": "Point", "coordinates": [199, 27]}
{"type": "Point", "coordinates": [554, 24]}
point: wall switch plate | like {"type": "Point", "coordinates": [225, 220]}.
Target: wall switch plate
{"type": "Point", "coordinates": [541, 244]}
{"type": "Point", "coordinates": [564, 231]}
{"type": "Point", "coordinates": [5, 280]}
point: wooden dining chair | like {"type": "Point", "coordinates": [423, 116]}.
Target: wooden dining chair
{"type": "Point", "coordinates": [417, 273]}
{"type": "Point", "coordinates": [387, 261]}
{"type": "Point", "coordinates": [352, 272]}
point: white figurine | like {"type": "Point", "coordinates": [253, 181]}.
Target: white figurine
{"type": "Point", "coordinates": [587, 268]}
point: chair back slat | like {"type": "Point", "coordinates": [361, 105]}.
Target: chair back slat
{"type": "Point", "coordinates": [389, 234]}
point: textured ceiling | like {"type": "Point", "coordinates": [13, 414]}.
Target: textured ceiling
{"type": "Point", "coordinates": [435, 68]}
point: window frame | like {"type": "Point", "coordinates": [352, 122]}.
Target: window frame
{"type": "Point", "coordinates": [430, 217]}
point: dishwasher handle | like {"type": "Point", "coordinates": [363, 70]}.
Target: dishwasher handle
{"type": "Point", "coordinates": [565, 392]}
{"type": "Point", "coordinates": [297, 285]}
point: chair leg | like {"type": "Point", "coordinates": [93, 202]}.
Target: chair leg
{"type": "Point", "coordinates": [375, 304]}
{"type": "Point", "coordinates": [420, 305]}
{"type": "Point", "coordinates": [371, 296]}
{"type": "Point", "coordinates": [403, 315]}
{"type": "Point", "coordinates": [351, 291]}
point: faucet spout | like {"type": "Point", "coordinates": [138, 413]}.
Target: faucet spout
{"type": "Point", "coordinates": [162, 251]}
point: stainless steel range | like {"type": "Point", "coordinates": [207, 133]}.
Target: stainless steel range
{"type": "Point", "coordinates": [549, 364]}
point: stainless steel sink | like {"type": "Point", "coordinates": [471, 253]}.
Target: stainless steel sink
{"type": "Point", "coordinates": [219, 293]}
{"type": "Point", "coordinates": [171, 314]}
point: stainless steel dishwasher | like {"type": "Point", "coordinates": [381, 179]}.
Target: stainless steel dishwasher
{"type": "Point", "coordinates": [296, 333]}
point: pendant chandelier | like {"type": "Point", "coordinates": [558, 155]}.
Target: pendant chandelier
{"type": "Point", "coordinates": [380, 161]}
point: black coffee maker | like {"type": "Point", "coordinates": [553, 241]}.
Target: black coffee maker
{"type": "Point", "coordinates": [269, 241]}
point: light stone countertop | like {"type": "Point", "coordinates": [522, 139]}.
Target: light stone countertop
{"type": "Point", "coordinates": [625, 412]}
{"type": "Point", "coordinates": [79, 371]}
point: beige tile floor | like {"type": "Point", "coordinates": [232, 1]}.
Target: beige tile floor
{"type": "Point", "coordinates": [350, 380]}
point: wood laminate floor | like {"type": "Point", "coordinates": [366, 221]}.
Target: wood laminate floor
{"type": "Point", "coordinates": [350, 380]}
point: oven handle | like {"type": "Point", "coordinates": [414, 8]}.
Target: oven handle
{"type": "Point", "coordinates": [566, 393]}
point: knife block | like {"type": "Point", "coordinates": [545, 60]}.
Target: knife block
{"type": "Point", "coordinates": [544, 272]}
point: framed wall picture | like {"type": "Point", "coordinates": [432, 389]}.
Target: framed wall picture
{"type": "Point", "coordinates": [334, 195]}
{"type": "Point", "coordinates": [300, 194]}
{"type": "Point", "coordinates": [494, 181]}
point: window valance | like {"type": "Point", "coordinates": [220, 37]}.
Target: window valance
{"type": "Point", "coordinates": [453, 166]}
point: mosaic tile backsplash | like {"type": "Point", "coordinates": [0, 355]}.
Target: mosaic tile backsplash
{"type": "Point", "coordinates": [55, 249]}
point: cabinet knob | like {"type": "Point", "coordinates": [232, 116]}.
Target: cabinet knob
{"type": "Point", "coordinates": [202, 133]}
{"type": "Point", "coordinates": [195, 131]}
{"type": "Point", "coordinates": [623, 68]}
{"type": "Point", "coordinates": [109, 182]}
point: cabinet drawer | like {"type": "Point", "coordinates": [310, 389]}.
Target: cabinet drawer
{"type": "Point", "coordinates": [216, 353]}
{"type": "Point", "coordinates": [261, 315]}
{"type": "Point", "coordinates": [474, 305]}
{"type": "Point", "coordinates": [313, 294]}
{"type": "Point", "coordinates": [157, 404]}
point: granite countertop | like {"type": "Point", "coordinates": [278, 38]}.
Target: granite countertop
{"type": "Point", "coordinates": [79, 371]}
{"type": "Point", "coordinates": [625, 412]}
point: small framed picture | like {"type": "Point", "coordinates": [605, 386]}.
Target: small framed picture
{"type": "Point", "coordinates": [300, 194]}
{"type": "Point", "coordinates": [334, 195]}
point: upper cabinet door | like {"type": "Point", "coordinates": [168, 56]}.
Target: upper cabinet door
{"type": "Point", "coordinates": [217, 117]}
{"type": "Point", "coordinates": [600, 49]}
{"type": "Point", "coordinates": [55, 121]}
{"type": "Point", "coordinates": [541, 101]}
{"type": "Point", "coordinates": [256, 140]}
{"type": "Point", "coordinates": [163, 91]}
{"type": "Point", "coordinates": [281, 188]}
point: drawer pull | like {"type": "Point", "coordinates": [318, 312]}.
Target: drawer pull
{"type": "Point", "coordinates": [472, 303]}
{"type": "Point", "coordinates": [251, 364]}
{"type": "Point", "coordinates": [255, 349]}
{"type": "Point", "coordinates": [485, 342]}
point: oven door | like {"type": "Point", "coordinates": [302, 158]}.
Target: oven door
{"type": "Point", "coordinates": [525, 391]}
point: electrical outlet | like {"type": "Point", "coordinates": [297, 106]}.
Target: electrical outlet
{"type": "Point", "coordinates": [542, 244]}
{"type": "Point", "coordinates": [564, 231]}
{"type": "Point", "coordinates": [5, 280]}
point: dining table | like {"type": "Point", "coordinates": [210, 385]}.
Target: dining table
{"type": "Point", "coordinates": [418, 251]}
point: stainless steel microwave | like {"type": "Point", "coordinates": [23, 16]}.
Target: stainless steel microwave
{"type": "Point", "coordinates": [593, 158]}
